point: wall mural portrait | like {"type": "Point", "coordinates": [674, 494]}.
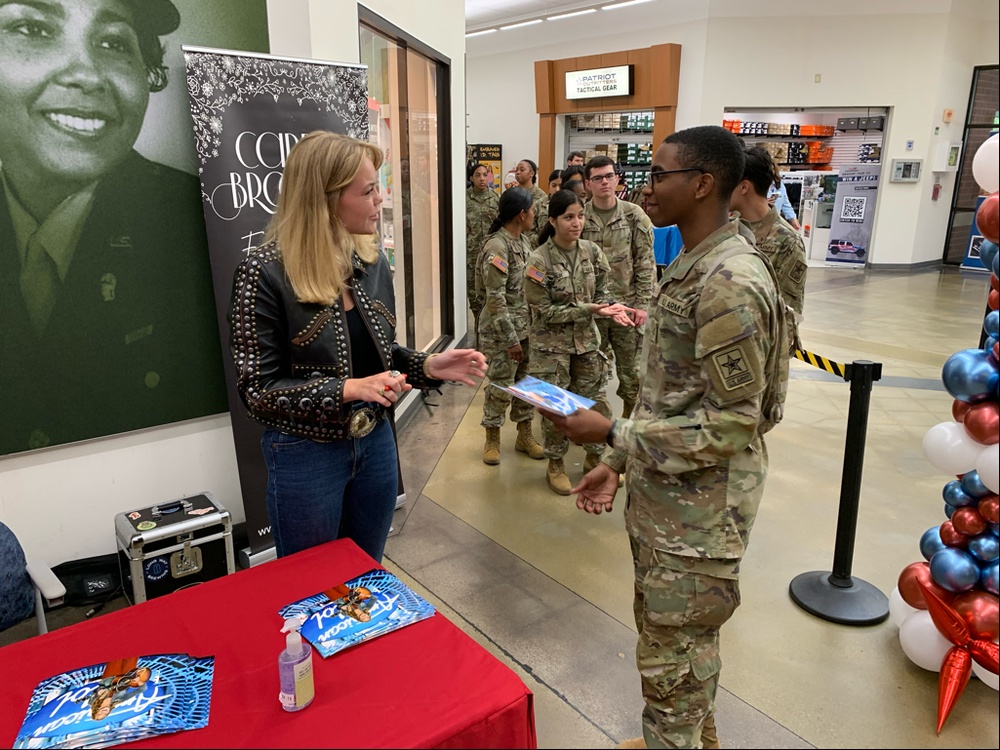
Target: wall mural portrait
{"type": "Point", "coordinates": [107, 316]}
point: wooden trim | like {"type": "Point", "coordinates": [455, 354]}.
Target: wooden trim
{"type": "Point", "coordinates": [664, 123]}
{"type": "Point", "coordinates": [544, 103]}
{"type": "Point", "coordinates": [665, 65]}
{"type": "Point", "coordinates": [546, 147]}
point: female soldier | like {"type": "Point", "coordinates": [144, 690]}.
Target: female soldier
{"type": "Point", "coordinates": [566, 287]}
{"type": "Point", "coordinates": [526, 174]}
{"type": "Point", "coordinates": [503, 327]}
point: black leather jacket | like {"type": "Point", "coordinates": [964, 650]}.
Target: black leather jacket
{"type": "Point", "coordinates": [292, 358]}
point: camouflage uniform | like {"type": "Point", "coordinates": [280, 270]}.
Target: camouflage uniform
{"type": "Point", "coordinates": [503, 323]}
{"type": "Point", "coordinates": [565, 345]}
{"type": "Point", "coordinates": [541, 219]}
{"type": "Point", "coordinates": [627, 241]}
{"type": "Point", "coordinates": [696, 465]}
{"type": "Point", "coordinates": [480, 211]}
{"type": "Point", "coordinates": [783, 246]}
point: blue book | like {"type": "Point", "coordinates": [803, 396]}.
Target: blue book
{"type": "Point", "coordinates": [547, 396]}
{"type": "Point", "coordinates": [373, 604]}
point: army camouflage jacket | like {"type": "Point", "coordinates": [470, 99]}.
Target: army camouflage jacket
{"type": "Point", "coordinates": [559, 285]}
{"type": "Point", "coordinates": [696, 462]}
{"type": "Point", "coordinates": [500, 268]}
{"type": "Point", "coordinates": [480, 211]}
{"type": "Point", "coordinates": [627, 242]}
{"type": "Point", "coordinates": [541, 207]}
{"type": "Point", "coordinates": [783, 246]}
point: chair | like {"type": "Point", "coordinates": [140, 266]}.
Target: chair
{"type": "Point", "coordinates": [24, 584]}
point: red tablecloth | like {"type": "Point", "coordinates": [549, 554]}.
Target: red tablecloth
{"type": "Point", "coordinates": [426, 685]}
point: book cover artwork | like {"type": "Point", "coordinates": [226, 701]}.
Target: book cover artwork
{"type": "Point", "coordinates": [546, 395]}
{"type": "Point", "coordinates": [120, 701]}
{"type": "Point", "coordinates": [373, 604]}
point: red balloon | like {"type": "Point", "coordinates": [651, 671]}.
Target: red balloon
{"type": "Point", "coordinates": [968, 520]}
{"type": "Point", "coordinates": [959, 409]}
{"type": "Point", "coordinates": [980, 611]}
{"type": "Point", "coordinates": [951, 536]}
{"type": "Point", "coordinates": [989, 507]}
{"type": "Point", "coordinates": [910, 579]}
{"type": "Point", "coordinates": [994, 299]}
{"type": "Point", "coordinates": [956, 669]}
{"type": "Point", "coordinates": [948, 622]}
{"type": "Point", "coordinates": [986, 654]}
{"type": "Point", "coordinates": [994, 281]}
{"type": "Point", "coordinates": [982, 422]}
{"type": "Point", "coordinates": [988, 218]}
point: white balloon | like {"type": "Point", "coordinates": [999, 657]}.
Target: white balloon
{"type": "Point", "coordinates": [899, 610]}
{"type": "Point", "coordinates": [986, 675]}
{"type": "Point", "coordinates": [986, 164]}
{"type": "Point", "coordinates": [988, 466]}
{"type": "Point", "coordinates": [922, 642]}
{"type": "Point", "coordinates": [949, 448]}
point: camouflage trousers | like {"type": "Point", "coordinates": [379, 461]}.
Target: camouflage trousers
{"type": "Point", "coordinates": [580, 373]}
{"type": "Point", "coordinates": [504, 371]}
{"type": "Point", "coordinates": [679, 607]}
{"type": "Point", "coordinates": [626, 346]}
{"type": "Point", "coordinates": [476, 302]}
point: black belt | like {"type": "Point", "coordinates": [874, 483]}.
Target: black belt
{"type": "Point", "coordinates": [365, 417]}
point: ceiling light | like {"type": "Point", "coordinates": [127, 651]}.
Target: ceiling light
{"type": "Point", "coordinates": [519, 25]}
{"type": "Point", "coordinates": [479, 33]}
{"type": "Point", "coordinates": [570, 15]}
{"type": "Point", "coordinates": [616, 6]}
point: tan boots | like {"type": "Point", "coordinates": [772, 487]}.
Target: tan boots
{"type": "Point", "coordinates": [557, 478]}
{"type": "Point", "coordinates": [491, 451]}
{"type": "Point", "coordinates": [526, 442]}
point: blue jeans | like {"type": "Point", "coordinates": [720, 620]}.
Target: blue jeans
{"type": "Point", "coordinates": [318, 492]}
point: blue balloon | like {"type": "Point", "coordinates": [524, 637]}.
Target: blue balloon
{"type": "Point", "coordinates": [973, 485]}
{"type": "Point", "coordinates": [996, 265]}
{"type": "Point", "coordinates": [931, 542]}
{"type": "Point", "coordinates": [989, 578]}
{"type": "Point", "coordinates": [949, 510]}
{"type": "Point", "coordinates": [969, 376]}
{"type": "Point", "coordinates": [994, 528]}
{"type": "Point", "coordinates": [954, 569]}
{"type": "Point", "coordinates": [992, 325]}
{"type": "Point", "coordinates": [984, 547]}
{"type": "Point", "coordinates": [957, 497]}
{"type": "Point", "coordinates": [987, 252]}
{"type": "Point", "coordinates": [988, 343]}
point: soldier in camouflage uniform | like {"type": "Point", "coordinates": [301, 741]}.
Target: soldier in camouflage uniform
{"type": "Point", "coordinates": [693, 450]}
{"type": "Point", "coordinates": [481, 205]}
{"type": "Point", "coordinates": [625, 234]}
{"type": "Point", "coordinates": [566, 287]}
{"type": "Point", "coordinates": [503, 325]}
{"type": "Point", "coordinates": [776, 238]}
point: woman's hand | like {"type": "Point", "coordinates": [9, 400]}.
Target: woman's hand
{"type": "Point", "coordinates": [385, 388]}
{"type": "Point", "coordinates": [515, 352]}
{"type": "Point", "coordinates": [459, 365]}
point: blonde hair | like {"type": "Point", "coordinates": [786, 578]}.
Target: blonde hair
{"type": "Point", "coordinates": [316, 248]}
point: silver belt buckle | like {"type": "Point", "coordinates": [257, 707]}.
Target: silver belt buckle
{"type": "Point", "coordinates": [362, 422]}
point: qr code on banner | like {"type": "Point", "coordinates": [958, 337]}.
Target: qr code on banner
{"type": "Point", "coordinates": [853, 210]}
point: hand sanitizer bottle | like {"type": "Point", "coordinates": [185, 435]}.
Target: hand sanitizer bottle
{"type": "Point", "coordinates": [295, 668]}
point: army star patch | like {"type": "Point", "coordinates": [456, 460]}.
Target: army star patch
{"type": "Point", "coordinates": [499, 262]}
{"type": "Point", "coordinates": [535, 274]}
{"type": "Point", "coordinates": [732, 365]}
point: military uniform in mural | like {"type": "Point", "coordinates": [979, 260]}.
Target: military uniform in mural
{"type": "Point", "coordinates": [503, 323]}
{"type": "Point", "coordinates": [481, 209]}
{"type": "Point", "coordinates": [696, 465]}
{"type": "Point", "coordinates": [627, 242]}
{"type": "Point", "coordinates": [783, 246]}
{"type": "Point", "coordinates": [564, 342]}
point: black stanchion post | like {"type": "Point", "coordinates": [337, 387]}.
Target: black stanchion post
{"type": "Point", "coordinates": [836, 595]}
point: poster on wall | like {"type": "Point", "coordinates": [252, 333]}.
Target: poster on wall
{"type": "Point", "coordinates": [853, 215]}
{"type": "Point", "coordinates": [248, 112]}
{"type": "Point", "coordinates": [106, 308]}
{"type": "Point", "coordinates": [974, 243]}
{"type": "Point", "coordinates": [490, 156]}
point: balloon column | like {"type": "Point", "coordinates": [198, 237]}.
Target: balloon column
{"type": "Point", "coordinates": [946, 606]}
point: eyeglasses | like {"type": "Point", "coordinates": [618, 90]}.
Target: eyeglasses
{"type": "Point", "coordinates": [599, 178]}
{"type": "Point", "coordinates": [656, 174]}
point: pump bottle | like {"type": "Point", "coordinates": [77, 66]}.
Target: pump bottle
{"type": "Point", "coordinates": [295, 668]}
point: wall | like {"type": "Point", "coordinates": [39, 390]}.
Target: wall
{"type": "Point", "coordinates": [61, 502]}
{"type": "Point", "coordinates": [916, 57]}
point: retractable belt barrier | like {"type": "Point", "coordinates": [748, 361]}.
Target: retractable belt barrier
{"type": "Point", "coordinates": [837, 596]}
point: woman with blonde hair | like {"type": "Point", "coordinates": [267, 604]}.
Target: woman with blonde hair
{"type": "Point", "coordinates": [312, 334]}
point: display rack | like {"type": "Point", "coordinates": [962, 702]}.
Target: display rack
{"type": "Point", "coordinates": [625, 137]}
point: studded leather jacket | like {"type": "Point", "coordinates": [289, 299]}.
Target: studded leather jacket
{"type": "Point", "coordinates": [292, 358]}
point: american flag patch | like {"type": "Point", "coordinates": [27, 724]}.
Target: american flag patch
{"type": "Point", "coordinates": [499, 262]}
{"type": "Point", "coordinates": [535, 274]}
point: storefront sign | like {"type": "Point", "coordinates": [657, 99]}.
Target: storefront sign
{"type": "Point", "coordinates": [599, 82]}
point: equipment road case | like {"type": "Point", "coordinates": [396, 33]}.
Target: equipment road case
{"type": "Point", "coordinates": [173, 545]}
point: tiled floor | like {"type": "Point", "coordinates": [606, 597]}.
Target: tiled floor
{"type": "Point", "coordinates": [547, 588]}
